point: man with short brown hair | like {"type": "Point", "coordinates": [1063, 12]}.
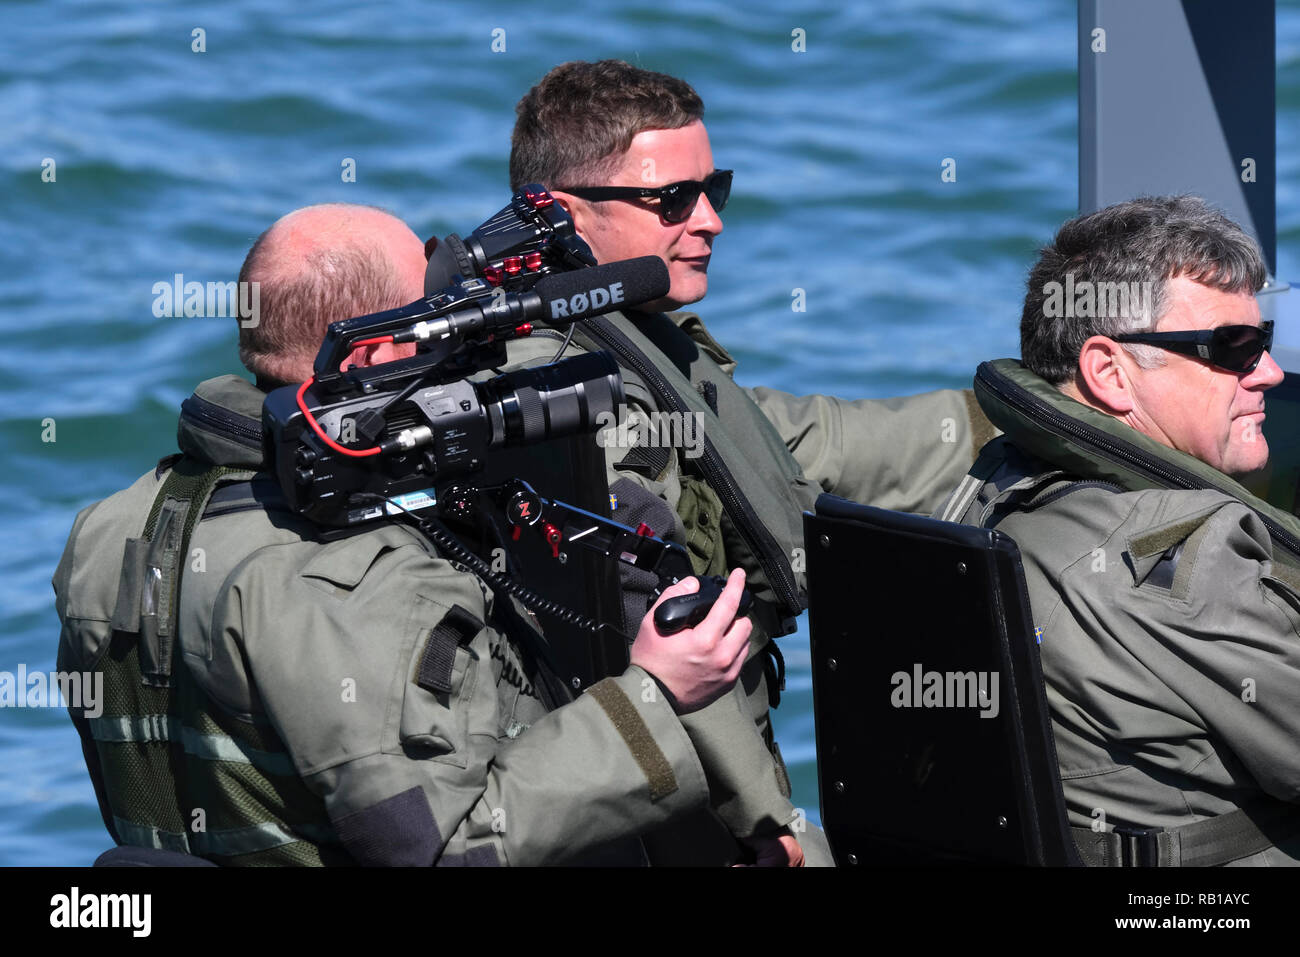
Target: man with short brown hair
{"type": "Point", "coordinates": [626, 153]}
{"type": "Point", "coordinates": [578, 121]}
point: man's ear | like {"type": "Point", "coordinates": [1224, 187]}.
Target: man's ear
{"type": "Point", "coordinates": [1103, 376]}
{"type": "Point", "coordinates": [576, 209]}
{"type": "Point", "coordinates": [377, 354]}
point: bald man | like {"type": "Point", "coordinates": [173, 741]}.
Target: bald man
{"type": "Point", "coordinates": [318, 265]}
{"type": "Point", "coordinates": [276, 696]}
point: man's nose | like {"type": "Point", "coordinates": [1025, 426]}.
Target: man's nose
{"type": "Point", "coordinates": [704, 219]}
{"type": "Point", "coordinates": [1265, 375]}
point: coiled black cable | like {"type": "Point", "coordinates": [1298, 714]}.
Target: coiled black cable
{"type": "Point", "coordinates": [445, 539]}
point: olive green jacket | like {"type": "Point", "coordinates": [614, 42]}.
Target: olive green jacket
{"type": "Point", "coordinates": [1168, 617]}
{"type": "Point", "coordinates": [409, 749]}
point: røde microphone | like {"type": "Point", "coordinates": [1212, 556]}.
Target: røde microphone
{"type": "Point", "coordinates": [557, 300]}
{"type": "Point", "coordinates": [569, 296]}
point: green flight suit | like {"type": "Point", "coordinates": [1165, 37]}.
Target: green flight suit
{"type": "Point", "coordinates": [1168, 617]}
{"type": "Point", "coordinates": [365, 700]}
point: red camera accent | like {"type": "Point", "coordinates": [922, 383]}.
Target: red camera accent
{"type": "Point", "coordinates": [553, 538]}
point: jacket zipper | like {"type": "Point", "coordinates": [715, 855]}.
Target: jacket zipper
{"type": "Point", "coordinates": [227, 424]}
{"type": "Point", "coordinates": [1063, 425]}
{"type": "Point", "coordinates": [758, 538]}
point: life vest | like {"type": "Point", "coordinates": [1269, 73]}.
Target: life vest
{"type": "Point", "coordinates": [171, 769]}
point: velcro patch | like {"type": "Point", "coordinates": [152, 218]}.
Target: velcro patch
{"type": "Point", "coordinates": [653, 763]}
{"type": "Point", "coordinates": [1162, 539]}
{"type": "Point", "coordinates": [1152, 559]}
{"type": "Point", "coordinates": [396, 832]}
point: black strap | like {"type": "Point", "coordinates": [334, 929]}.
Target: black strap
{"type": "Point", "coordinates": [1208, 843]}
{"type": "Point", "coordinates": [535, 654]}
{"type": "Point", "coordinates": [774, 668]}
{"type": "Point", "coordinates": [458, 627]}
{"type": "Point", "coordinates": [647, 461]}
{"type": "Point", "coordinates": [262, 491]}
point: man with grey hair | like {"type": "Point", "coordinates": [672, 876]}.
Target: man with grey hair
{"type": "Point", "coordinates": [1164, 595]}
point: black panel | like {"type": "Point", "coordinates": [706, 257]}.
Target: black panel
{"type": "Point", "coordinates": [893, 593]}
{"type": "Point", "coordinates": [570, 470]}
{"type": "Point", "coordinates": [1236, 44]}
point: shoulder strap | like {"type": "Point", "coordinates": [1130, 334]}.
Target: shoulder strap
{"type": "Point", "coordinates": [718, 472]}
{"type": "Point", "coordinates": [963, 496]}
{"type": "Point", "coordinates": [262, 491]}
{"type": "Point", "coordinates": [152, 564]}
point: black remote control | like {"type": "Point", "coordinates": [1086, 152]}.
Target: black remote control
{"type": "Point", "coordinates": [687, 611]}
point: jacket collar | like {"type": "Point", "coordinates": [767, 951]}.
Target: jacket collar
{"type": "Point", "coordinates": [1044, 422]}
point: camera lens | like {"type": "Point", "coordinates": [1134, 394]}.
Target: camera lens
{"type": "Point", "coordinates": [551, 401]}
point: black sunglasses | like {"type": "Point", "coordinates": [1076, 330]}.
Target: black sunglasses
{"type": "Point", "coordinates": [1235, 348]}
{"type": "Point", "coordinates": [676, 200]}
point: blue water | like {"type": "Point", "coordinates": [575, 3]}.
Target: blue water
{"type": "Point", "coordinates": [170, 160]}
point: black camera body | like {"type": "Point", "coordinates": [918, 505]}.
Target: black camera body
{"type": "Point", "coordinates": [355, 445]}
{"type": "Point", "coordinates": [425, 437]}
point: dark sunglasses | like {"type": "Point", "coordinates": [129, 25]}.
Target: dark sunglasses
{"type": "Point", "coordinates": [1235, 348]}
{"type": "Point", "coordinates": [676, 200]}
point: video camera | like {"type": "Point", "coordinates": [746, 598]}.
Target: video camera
{"type": "Point", "coordinates": [355, 445]}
